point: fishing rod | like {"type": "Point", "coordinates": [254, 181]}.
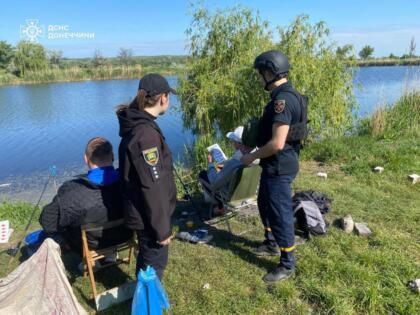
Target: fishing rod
{"type": "Point", "coordinates": [188, 195]}
{"type": "Point", "coordinates": [12, 251]}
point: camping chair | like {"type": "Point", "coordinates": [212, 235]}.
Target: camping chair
{"type": "Point", "coordinates": [243, 190]}
{"type": "Point", "coordinates": [114, 295]}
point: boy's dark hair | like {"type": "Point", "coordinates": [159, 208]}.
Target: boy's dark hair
{"type": "Point", "coordinates": [99, 151]}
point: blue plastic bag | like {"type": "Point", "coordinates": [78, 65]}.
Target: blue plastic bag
{"type": "Point", "coordinates": [150, 297]}
{"type": "Point", "coordinates": [34, 240]}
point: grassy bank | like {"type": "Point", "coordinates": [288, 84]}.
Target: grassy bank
{"type": "Point", "coordinates": [392, 121]}
{"type": "Point", "coordinates": [388, 62]}
{"type": "Point", "coordinates": [338, 273]}
{"type": "Point", "coordinates": [73, 74]}
{"type": "Point", "coordinates": [82, 69]}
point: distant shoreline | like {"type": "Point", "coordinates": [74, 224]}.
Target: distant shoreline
{"type": "Point", "coordinates": [77, 74]}
{"type": "Point", "coordinates": [131, 77]}
{"type": "Point", "coordinates": [388, 62]}
{"type": "Point", "coordinates": [67, 76]}
{"type": "Point", "coordinates": [85, 69]}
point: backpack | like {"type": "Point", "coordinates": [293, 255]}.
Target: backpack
{"type": "Point", "coordinates": [309, 209]}
{"type": "Point", "coordinates": [322, 200]}
{"type": "Point", "coordinates": [309, 219]}
{"type": "Point", "coordinates": [250, 133]}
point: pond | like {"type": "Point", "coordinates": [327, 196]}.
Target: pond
{"type": "Point", "coordinates": [49, 124]}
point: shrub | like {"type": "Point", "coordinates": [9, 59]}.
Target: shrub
{"type": "Point", "coordinates": [30, 57]}
{"type": "Point", "coordinates": [220, 90]}
{"type": "Point", "coordinates": [322, 74]}
{"type": "Point", "coordinates": [399, 119]}
{"type": "Point", "coordinates": [220, 87]}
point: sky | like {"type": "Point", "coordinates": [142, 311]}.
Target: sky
{"type": "Point", "coordinates": [158, 27]}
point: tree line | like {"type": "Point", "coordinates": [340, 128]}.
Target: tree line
{"type": "Point", "coordinates": [33, 57]}
{"type": "Point", "coordinates": [367, 51]}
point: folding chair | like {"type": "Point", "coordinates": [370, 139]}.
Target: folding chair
{"type": "Point", "coordinates": [243, 190]}
{"type": "Point", "coordinates": [117, 294]}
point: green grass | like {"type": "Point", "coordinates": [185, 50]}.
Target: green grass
{"type": "Point", "coordinates": [401, 119]}
{"type": "Point", "coordinates": [336, 274]}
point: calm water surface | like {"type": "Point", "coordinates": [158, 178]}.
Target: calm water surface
{"type": "Point", "coordinates": [49, 124]}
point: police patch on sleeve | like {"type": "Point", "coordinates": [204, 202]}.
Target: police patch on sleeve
{"type": "Point", "coordinates": [151, 156]}
{"type": "Point", "coordinates": [279, 106]}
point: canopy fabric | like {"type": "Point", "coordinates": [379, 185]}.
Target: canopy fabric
{"type": "Point", "coordinates": [39, 286]}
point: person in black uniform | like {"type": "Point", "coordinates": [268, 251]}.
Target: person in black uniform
{"type": "Point", "coordinates": [146, 169]}
{"type": "Point", "coordinates": [279, 161]}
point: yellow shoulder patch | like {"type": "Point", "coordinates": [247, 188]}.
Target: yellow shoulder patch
{"type": "Point", "coordinates": [151, 156]}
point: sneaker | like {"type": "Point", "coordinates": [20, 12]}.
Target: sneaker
{"type": "Point", "coordinates": [266, 249]}
{"type": "Point", "coordinates": [279, 274]}
{"type": "Point", "coordinates": [81, 267]}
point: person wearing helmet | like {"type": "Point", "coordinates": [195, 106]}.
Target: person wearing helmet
{"type": "Point", "coordinates": [279, 160]}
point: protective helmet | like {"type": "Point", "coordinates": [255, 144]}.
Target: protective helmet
{"type": "Point", "coordinates": [272, 60]}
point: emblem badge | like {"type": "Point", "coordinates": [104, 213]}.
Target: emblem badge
{"type": "Point", "coordinates": [151, 156]}
{"type": "Point", "coordinates": [279, 106]}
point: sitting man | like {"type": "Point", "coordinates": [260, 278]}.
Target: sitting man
{"type": "Point", "coordinates": [91, 198]}
{"type": "Point", "coordinates": [219, 178]}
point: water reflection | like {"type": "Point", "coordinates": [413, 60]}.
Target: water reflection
{"type": "Point", "coordinates": [48, 124]}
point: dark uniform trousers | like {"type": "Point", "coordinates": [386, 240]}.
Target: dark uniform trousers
{"type": "Point", "coordinates": [276, 212]}
{"type": "Point", "coordinates": [148, 185]}
{"type": "Point", "coordinates": [151, 253]}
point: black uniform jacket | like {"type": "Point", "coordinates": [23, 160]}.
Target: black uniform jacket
{"type": "Point", "coordinates": [147, 174]}
{"type": "Point", "coordinates": [80, 201]}
{"type": "Point", "coordinates": [283, 108]}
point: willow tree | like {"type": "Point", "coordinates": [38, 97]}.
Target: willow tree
{"type": "Point", "coordinates": [30, 57]}
{"type": "Point", "coordinates": [322, 73]}
{"type": "Point", "coordinates": [220, 89]}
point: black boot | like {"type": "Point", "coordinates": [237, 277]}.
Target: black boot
{"type": "Point", "coordinates": [267, 248]}
{"type": "Point", "coordinates": [279, 274]}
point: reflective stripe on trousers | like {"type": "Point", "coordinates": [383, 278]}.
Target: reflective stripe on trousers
{"type": "Point", "coordinates": [276, 211]}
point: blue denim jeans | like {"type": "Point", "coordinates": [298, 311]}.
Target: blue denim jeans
{"type": "Point", "coordinates": [276, 211]}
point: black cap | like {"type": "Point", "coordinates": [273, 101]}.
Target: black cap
{"type": "Point", "coordinates": [155, 84]}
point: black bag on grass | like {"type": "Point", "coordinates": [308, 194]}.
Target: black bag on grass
{"type": "Point", "coordinates": [309, 209]}
{"type": "Point", "coordinates": [309, 219]}
{"type": "Point", "coordinates": [322, 200]}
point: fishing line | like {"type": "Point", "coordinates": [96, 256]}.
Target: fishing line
{"type": "Point", "coordinates": [12, 251]}
{"type": "Point", "coordinates": [188, 195]}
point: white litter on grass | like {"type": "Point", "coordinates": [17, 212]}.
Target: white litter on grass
{"type": "Point", "coordinates": [378, 169]}
{"type": "Point", "coordinates": [322, 175]}
{"type": "Point", "coordinates": [414, 177]}
{"type": "Point", "coordinates": [206, 286]}
{"type": "Point", "coordinates": [414, 285]}
{"type": "Point", "coordinates": [5, 231]}
{"type": "Point", "coordinates": [5, 185]}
